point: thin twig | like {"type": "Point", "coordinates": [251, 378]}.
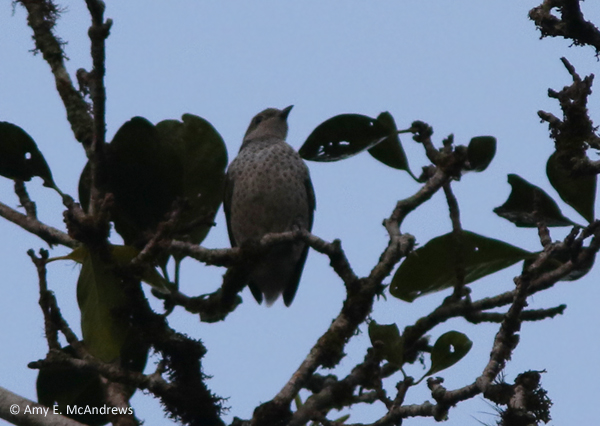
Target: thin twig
{"type": "Point", "coordinates": [51, 329]}
{"type": "Point", "coordinates": [526, 315]}
{"type": "Point", "coordinates": [457, 233]}
{"type": "Point", "coordinates": [24, 199]}
{"type": "Point", "coordinates": [50, 235]}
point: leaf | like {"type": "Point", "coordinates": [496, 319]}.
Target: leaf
{"type": "Point", "coordinates": [390, 151]}
{"type": "Point", "coordinates": [577, 191]}
{"type": "Point", "coordinates": [449, 348]}
{"type": "Point", "coordinates": [84, 186]}
{"type": "Point", "coordinates": [78, 255]}
{"type": "Point", "coordinates": [145, 176]}
{"type": "Point", "coordinates": [148, 167]}
{"type": "Point", "coordinates": [481, 152]}
{"type": "Point", "coordinates": [66, 386]}
{"type": "Point", "coordinates": [203, 156]}
{"type": "Point", "coordinates": [527, 204]}
{"type": "Point", "coordinates": [102, 301]}
{"type": "Point", "coordinates": [20, 157]}
{"type": "Point", "coordinates": [432, 268]}
{"type": "Point", "coordinates": [343, 136]}
{"type": "Point", "coordinates": [122, 256]}
{"type": "Point", "coordinates": [393, 345]}
{"type": "Point", "coordinates": [342, 419]}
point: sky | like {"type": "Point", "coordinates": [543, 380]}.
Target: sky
{"type": "Point", "coordinates": [470, 68]}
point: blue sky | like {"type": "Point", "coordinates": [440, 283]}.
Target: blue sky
{"type": "Point", "coordinates": [472, 68]}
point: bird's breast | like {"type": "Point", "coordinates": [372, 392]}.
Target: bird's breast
{"type": "Point", "coordinates": [269, 193]}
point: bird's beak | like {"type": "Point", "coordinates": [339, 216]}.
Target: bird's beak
{"type": "Point", "coordinates": [286, 111]}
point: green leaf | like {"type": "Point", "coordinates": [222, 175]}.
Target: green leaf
{"type": "Point", "coordinates": [67, 386]}
{"type": "Point", "coordinates": [527, 204]}
{"type": "Point", "coordinates": [342, 419]}
{"type": "Point", "coordinates": [122, 256]}
{"type": "Point", "coordinates": [390, 151]}
{"type": "Point", "coordinates": [393, 344]}
{"type": "Point", "coordinates": [102, 302]}
{"type": "Point", "coordinates": [577, 191]}
{"type": "Point", "coordinates": [203, 156]}
{"type": "Point", "coordinates": [433, 267]}
{"type": "Point", "coordinates": [450, 348]}
{"type": "Point", "coordinates": [78, 255]}
{"type": "Point", "coordinates": [20, 157]}
{"type": "Point", "coordinates": [343, 136]}
{"type": "Point", "coordinates": [481, 152]}
{"type": "Point", "coordinates": [106, 335]}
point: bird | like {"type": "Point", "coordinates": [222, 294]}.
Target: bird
{"type": "Point", "coordinates": [268, 190]}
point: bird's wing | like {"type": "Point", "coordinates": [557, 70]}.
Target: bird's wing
{"type": "Point", "coordinates": [312, 201]}
{"type": "Point", "coordinates": [290, 291]}
{"type": "Point", "coordinates": [228, 193]}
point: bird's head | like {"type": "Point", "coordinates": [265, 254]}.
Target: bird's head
{"type": "Point", "coordinates": [270, 123]}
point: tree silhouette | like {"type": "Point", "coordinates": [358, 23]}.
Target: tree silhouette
{"type": "Point", "coordinates": [159, 186]}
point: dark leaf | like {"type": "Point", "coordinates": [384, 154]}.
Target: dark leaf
{"type": "Point", "coordinates": [145, 176]}
{"type": "Point", "coordinates": [203, 156]}
{"type": "Point", "coordinates": [20, 157]}
{"type": "Point", "coordinates": [481, 152]}
{"type": "Point", "coordinates": [527, 205]}
{"type": "Point", "coordinates": [343, 136]}
{"type": "Point", "coordinates": [85, 184]}
{"type": "Point", "coordinates": [433, 267]}
{"type": "Point", "coordinates": [577, 191]}
{"type": "Point", "coordinates": [390, 151]}
{"type": "Point", "coordinates": [66, 386]}
{"type": "Point", "coordinates": [450, 348]}
{"type": "Point", "coordinates": [393, 345]}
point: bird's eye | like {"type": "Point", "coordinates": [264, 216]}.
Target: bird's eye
{"type": "Point", "coordinates": [257, 120]}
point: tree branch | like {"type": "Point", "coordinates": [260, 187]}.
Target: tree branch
{"type": "Point", "coordinates": [576, 131]}
{"type": "Point", "coordinates": [328, 350]}
{"type": "Point", "coordinates": [47, 233]}
{"type": "Point", "coordinates": [35, 417]}
{"type": "Point", "coordinates": [98, 34]}
{"type": "Point", "coordinates": [571, 24]}
{"type": "Point", "coordinates": [42, 16]}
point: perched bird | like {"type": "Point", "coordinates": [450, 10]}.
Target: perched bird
{"type": "Point", "coordinates": [268, 189]}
